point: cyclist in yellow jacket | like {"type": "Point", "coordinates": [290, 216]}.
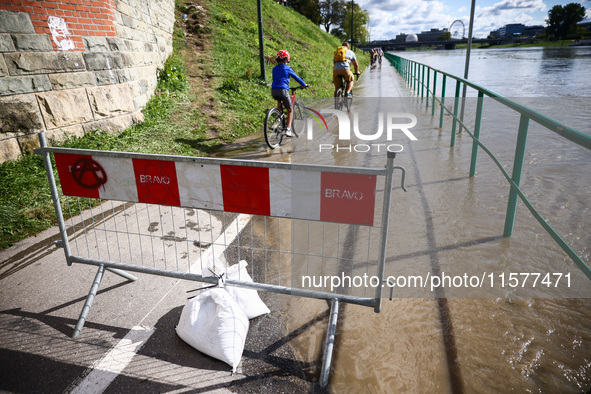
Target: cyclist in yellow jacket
{"type": "Point", "coordinates": [342, 69]}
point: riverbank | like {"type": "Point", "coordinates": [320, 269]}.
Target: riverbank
{"type": "Point", "coordinates": [523, 44]}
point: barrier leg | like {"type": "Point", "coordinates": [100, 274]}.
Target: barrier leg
{"type": "Point", "coordinates": [89, 300]}
{"type": "Point", "coordinates": [123, 274]}
{"type": "Point", "coordinates": [329, 343]}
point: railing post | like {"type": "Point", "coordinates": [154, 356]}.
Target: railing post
{"type": "Point", "coordinates": [442, 101]}
{"type": "Point", "coordinates": [455, 120]}
{"type": "Point", "coordinates": [434, 92]}
{"type": "Point", "coordinates": [477, 124]}
{"type": "Point", "coordinates": [407, 71]}
{"type": "Point", "coordinates": [428, 83]}
{"type": "Point", "coordinates": [516, 176]}
{"type": "Point", "coordinates": [415, 76]}
{"type": "Point", "coordinates": [422, 81]}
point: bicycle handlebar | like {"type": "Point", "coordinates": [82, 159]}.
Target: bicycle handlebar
{"type": "Point", "coordinates": [293, 89]}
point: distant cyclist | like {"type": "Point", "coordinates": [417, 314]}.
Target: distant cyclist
{"type": "Point", "coordinates": [342, 57]}
{"type": "Point", "coordinates": [280, 86]}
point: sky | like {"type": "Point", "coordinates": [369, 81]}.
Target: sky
{"type": "Point", "coordinates": [389, 18]}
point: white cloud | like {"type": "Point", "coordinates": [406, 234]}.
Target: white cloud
{"type": "Point", "coordinates": [389, 18]}
{"type": "Point", "coordinates": [409, 17]}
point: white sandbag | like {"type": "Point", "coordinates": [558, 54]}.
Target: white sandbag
{"type": "Point", "coordinates": [247, 299]}
{"type": "Point", "coordinates": [213, 266]}
{"type": "Point", "coordinates": [214, 324]}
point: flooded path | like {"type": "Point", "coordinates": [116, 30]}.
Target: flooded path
{"type": "Point", "coordinates": [460, 337]}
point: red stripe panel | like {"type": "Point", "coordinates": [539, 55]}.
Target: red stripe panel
{"type": "Point", "coordinates": [347, 198]}
{"type": "Point", "coordinates": [79, 175]}
{"type": "Point", "coordinates": [156, 182]}
{"type": "Point", "coordinates": [246, 189]}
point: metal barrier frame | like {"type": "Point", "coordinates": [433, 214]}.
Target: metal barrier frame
{"type": "Point", "coordinates": [414, 73]}
{"type": "Point", "coordinates": [121, 269]}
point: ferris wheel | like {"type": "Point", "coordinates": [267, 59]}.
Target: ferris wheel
{"type": "Point", "coordinates": [457, 30]}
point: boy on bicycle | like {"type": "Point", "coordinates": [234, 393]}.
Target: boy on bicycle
{"type": "Point", "coordinates": [280, 86]}
{"type": "Point", "coordinates": [342, 57]}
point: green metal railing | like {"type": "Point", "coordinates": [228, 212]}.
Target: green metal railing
{"type": "Point", "coordinates": [414, 74]}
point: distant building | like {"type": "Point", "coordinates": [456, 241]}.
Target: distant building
{"type": "Point", "coordinates": [412, 38]}
{"type": "Point", "coordinates": [495, 34]}
{"type": "Point", "coordinates": [401, 37]}
{"type": "Point", "coordinates": [431, 35]}
{"type": "Point", "coordinates": [513, 29]}
{"type": "Point", "coordinates": [585, 24]}
{"type": "Point", "coordinates": [517, 29]}
{"type": "Point", "coordinates": [532, 31]}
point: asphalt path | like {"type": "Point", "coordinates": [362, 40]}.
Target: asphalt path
{"type": "Point", "coordinates": [129, 343]}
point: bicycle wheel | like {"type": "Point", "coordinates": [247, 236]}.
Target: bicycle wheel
{"type": "Point", "coordinates": [348, 102]}
{"type": "Point", "coordinates": [274, 127]}
{"type": "Point", "coordinates": [298, 122]}
{"type": "Point", "coordinates": [338, 100]}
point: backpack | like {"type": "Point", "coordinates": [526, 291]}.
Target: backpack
{"type": "Point", "coordinates": [339, 54]}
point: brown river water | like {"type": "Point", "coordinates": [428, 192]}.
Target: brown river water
{"type": "Point", "coordinates": [510, 335]}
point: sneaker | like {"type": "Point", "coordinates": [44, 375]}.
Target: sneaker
{"type": "Point", "coordinates": [288, 132]}
{"type": "Point", "coordinates": [347, 94]}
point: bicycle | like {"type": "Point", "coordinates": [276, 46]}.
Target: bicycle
{"type": "Point", "coordinates": [276, 118]}
{"type": "Point", "coordinates": [340, 99]}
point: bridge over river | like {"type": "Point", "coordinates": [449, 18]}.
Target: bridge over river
{"type": "Point", "coordinates": [391, 45]}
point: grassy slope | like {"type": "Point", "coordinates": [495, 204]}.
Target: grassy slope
{"type": "Point", "coordinates": [225, 99]}
{"type": "Point", "coordinates": [237, 61]}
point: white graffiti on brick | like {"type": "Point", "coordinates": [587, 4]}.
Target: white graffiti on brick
{"type": "Point", "coordinates": [60, 33]}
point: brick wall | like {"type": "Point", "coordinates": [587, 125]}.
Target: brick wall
{"type": "Point", "coordinates": [74, 66]}
{"type": "Point", "coordinates": [83, 18]}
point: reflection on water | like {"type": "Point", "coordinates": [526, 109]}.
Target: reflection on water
{"type": "Point", "coordinates": [521, 339]}
{"type": "Point", "coordinates": [523, 72]}
{"type": "Point", "coordinates": [477, 340]}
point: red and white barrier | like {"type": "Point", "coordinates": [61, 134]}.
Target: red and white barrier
{"type": "Point", "coordinates": [292, 193]}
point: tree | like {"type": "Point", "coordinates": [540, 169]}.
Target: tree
{"type": "Point", "coordinates": [308, 8]}
{"type": "Point", "coordinates": [332, 12]}
{"type": "Point", "coordinates": [562, 21]}
{"type": "Point", "coordinates": [360, 21]}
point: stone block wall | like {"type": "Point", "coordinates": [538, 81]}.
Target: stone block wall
{"type": "Point", "coordinates": [69, 67]}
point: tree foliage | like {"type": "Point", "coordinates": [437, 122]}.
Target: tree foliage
{"type": "Point", "coordinates": [332, 12]}
{"type": "Point", "coordinates": [335, 14]}
{"type": "Point", "coordinates": [360, 22]}
{"type": "Point", "coordinates": [562, 21]}
{"type": "Point", "coordinates": [308, 8]}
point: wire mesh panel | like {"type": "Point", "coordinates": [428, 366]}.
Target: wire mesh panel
{"type": "Point", "coordinates": [311, 231]}
{"type": "Point", "coordinates": [292, 253]}
{"type": "Point", "coordinates": [307, 230]}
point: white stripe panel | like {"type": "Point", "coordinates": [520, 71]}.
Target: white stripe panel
{"type": "Point", "coordinates": [295, 193]}
{"type": "Point", "coordinates": [120, 184]}
{"type": "Point", "coordinates": [200, 185]}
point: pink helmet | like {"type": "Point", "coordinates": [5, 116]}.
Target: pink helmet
{"type": "Point", "coordinates": [282, 54]}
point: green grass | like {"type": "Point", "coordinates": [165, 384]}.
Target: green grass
{"type": "Point", "coordinates": [175, 123]}
{"type": "Point", "coordinates": [25, 200]}
{"type": "Point", "coordinates": [237, 58]}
